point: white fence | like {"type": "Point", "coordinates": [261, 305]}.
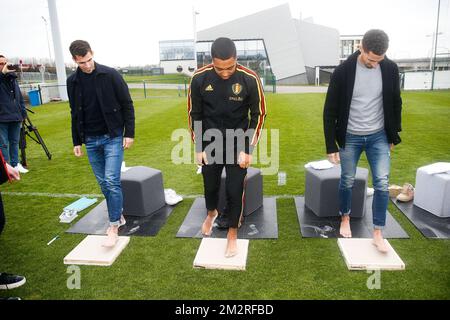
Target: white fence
{"type": "Point", "coordinates": [48, 92]}
{"type": "Point", "coordinates": [422, 80]}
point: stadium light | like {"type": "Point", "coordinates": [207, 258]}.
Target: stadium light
{"type": "Point", "coordinates": [435, 45]}
{"type": "Point", "coordinates": [48, 40]}
{"type": "Point", "coordinates": [194, 25]}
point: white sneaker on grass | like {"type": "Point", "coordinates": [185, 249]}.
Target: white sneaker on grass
{"type": "Point", "coordinates": [171, 197]}
{"type": "Point", "coordinates": [20, 168]}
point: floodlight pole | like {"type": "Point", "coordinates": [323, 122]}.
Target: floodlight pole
{"type": "Point", "coordinates": [48, 39]}
{"type": "Point", "coordinates": [59, 57]}
{"type": "Point", "coordinates": [435, 46]}
{"type": "Point", "coordinates": [194, 24]}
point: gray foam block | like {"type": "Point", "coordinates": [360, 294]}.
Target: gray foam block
{"type": "Point", "coordinates": [321, 191]}
{"type": "Point", "coordinates": [143, 191]}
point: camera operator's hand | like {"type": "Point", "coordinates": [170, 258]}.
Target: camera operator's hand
{"type": "Point", "coordinates": [12, 173]}
{"type": "Point", "coordinates": [77, 151]}
{"type": "Point", "coordinates": [6, 70]}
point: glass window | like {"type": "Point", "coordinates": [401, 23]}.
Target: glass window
{"type": "Point", "coordinates": [176, 50]}
{"type": "Point", "coordinates": [250, 53]}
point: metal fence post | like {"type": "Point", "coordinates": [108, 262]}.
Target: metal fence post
{"type": "Point", "coordinates": [274, 84]}
{"type": "Point", "coordinates": [40, 94]}
{"type": "Point", "coordinates": [185, 87]}
{"type": "Point", "coordinates": [145, 90]}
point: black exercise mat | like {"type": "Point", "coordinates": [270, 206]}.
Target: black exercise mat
{"type": "Point", "coordinates": [429, 225]}
{"type": "Point", "coordinates": [261, 224]}
{"type": "Point", "coordinates": [311, 226]}
{"type": "Point", "coordinates": [96, 222]}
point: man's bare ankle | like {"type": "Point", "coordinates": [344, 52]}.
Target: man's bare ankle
{"type": "Point", "coordinates": [212, 213]}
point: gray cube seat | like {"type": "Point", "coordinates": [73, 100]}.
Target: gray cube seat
{"type": "Point", "coordinates": [143, 191]}
{"type": "Point", "coordinates": [322, 191]}
{"type": "Point", "coordinates": [253, 198]}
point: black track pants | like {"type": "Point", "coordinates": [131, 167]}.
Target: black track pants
{"type": "Point", "coordinates": [235, 187]}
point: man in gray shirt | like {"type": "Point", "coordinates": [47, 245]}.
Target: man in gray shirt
{"type": "Point", "coordinates": [363, 113]}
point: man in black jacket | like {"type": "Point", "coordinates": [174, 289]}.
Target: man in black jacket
{"type": "Point", "coordinates": [222, 95]}
{"type": "Point", "coordinates": [12, 113]}
{"type": "Point", "coordinates": [103, 119]}
{"type": "Point", "coordinates": [363, 113]}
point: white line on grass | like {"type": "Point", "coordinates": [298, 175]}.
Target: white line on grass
{"type": "Point", "coordinates": [74, 195]}
{"type": "Point", "coordinates": [51, 195]}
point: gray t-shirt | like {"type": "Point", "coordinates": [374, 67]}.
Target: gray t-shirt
{"type": "Point", "coordinates": [366, 109]}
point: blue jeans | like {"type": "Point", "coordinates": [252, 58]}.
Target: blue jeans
{"type": "Point", "coordinates": [9, 141]}
{"type": "Point", "coordinates": [378, 155]}
{"type": "Point", "coordinates": [105, 155]}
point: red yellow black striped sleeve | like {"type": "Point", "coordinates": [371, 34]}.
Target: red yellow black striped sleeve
{"type": "Point", "coordinates": [257, 108]}
{"type": "Point", "coordinates": [195, 113]}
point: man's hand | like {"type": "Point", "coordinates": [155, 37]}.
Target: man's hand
{"type": "Point", "coordinates": [391, 146]}
{"type": "Point", "coordinates": [127, 142]}
{"type": "Point", "coordinates": [77, 151]}
{"type": "Point", "coordinates": [5, 69]}
{"type": "Point", "coordinates": [12, 173]}
{"type": "Point", "coordinates": [334, 157]}
{"type": "Point", "coordinates": [200, 158]}
{"type": "Point", "coordinates": [244, 160]}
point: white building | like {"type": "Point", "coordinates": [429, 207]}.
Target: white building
{"type": "Point", "coordinates": [174, 54]}
{"type": "Point", "coordinates": [270, 42]}
{"type": "Point", "coordinates": [349, 44]}
{"type": "Point", "coordinates": [292, 47]}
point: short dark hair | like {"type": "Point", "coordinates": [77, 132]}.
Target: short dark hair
{"type": "Point", "coordinates": [2, 56]}
{"type": "Point", "coordinates": [375, 40]}
{"type": "Point", "coordinates": [223, 49]}
{"type": "Point", "coordinates": [79, 48]}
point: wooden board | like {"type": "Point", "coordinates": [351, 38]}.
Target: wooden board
{"type": "Point", "coordinates": [211, 255]}
{"type": "Point", "coordinates": [91, 252]}
{"type": "Point", "coordinates": [361, 254]}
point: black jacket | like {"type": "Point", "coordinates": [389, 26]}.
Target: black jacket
{"type": "Point", "coordinates": [339, 98]}
{"type": "Point", "coordinates": [226, 104]}
{"type": "Point", "coordinates": [114, 100]}
{"type": "Point", "coordinates": [12, 106]}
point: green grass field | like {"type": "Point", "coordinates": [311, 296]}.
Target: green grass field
{"type": "Point", "coordinates": [166, 78]}
{"type": "Point", "coordinates": [160, 267]}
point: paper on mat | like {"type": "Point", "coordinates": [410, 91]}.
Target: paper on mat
{"type": "Point", "coordinates": [319, 165]}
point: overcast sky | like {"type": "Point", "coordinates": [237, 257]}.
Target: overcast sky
{"type": "Point", "coordinates": [127, 32]}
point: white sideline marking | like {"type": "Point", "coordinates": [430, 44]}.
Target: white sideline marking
{"type": "Point", "coordinates": [75, 195]}
{"type": "Point", "coordinates": [51, 195]}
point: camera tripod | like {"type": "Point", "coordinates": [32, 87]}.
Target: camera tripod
{"type": "Point", "coordinates": [27, 129]}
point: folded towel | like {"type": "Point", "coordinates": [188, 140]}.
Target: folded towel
{"type": "Point", "coordinates": [320, 165]}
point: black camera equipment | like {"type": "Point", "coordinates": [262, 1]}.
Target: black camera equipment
{"type": "Point", "coordinates": [27, 129]}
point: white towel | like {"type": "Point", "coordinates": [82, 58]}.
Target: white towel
{"type": "Point", "coordinates": [319, 165]}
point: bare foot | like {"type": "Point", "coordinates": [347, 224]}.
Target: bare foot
{"type": "Point", "coordinates": [345, 230]}
{"type": "Point", "coordinates": [232, 249]}
{"type": "Point", "coordinates": [208, 224]}
{"type": "Point", "coordinates": [112, 237]}
{"type": "Point", "coordinates": [379, 242]}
